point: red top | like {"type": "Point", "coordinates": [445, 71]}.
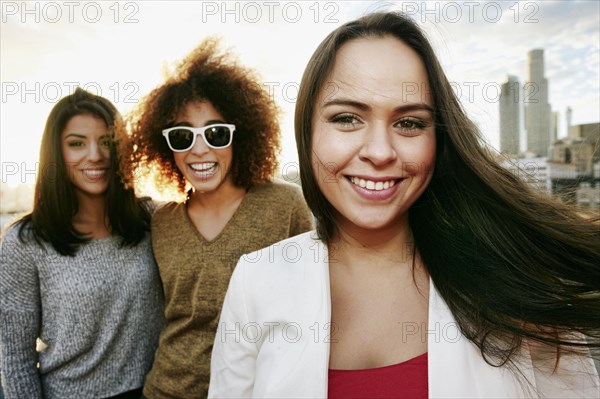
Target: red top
{"type": "Point", "coordinates": [403, 380]}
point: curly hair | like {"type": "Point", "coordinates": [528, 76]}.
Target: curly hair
{"type": "Point", "coordinates": [206, 74]}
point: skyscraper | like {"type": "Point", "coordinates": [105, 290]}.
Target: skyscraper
{"type": "Point", "coordinates": [537, 108]}
{"type": "Point", "coordinates": [569, 120]}
{"type": "Point", "coordinates": [554, 127]}
{"type": "Point", "coordinates": [510, 116]}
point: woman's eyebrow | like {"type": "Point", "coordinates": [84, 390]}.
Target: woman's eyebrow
{"type": "Point", "coordinates": [366, 107]}
{"type": "Point", "coordinates": [347, 102]}
{"type": "Point", "coordinates": [78, 135]}
{"type": "Point", "coordinates": [414, 107]}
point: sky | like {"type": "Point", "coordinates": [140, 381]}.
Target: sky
{"type": "Point", "coordinates": [121, 50]}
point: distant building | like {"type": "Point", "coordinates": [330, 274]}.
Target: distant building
{"type": "Point", "coordinates": [590, 133]}
{"type": "Point", "coordinates": [574, 165]}
{"type": "Point", "coordinates": [569, 117]}
{"type": "Point", "coordinates": [554, 127]}
{"type": "Point", "coordinates": [588, 195]}
{"type": "Point", "coordinates": [537, 108]}
{"type": "Point", "coordinates": [532, 169]}
{"type": "Point", "coordinates": [577, 153]}
{"type": "Point", "coordinates": [511, 116]}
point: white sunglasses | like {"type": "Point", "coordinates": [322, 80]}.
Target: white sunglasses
{"type": "Point", "coordinates": [182, 138]}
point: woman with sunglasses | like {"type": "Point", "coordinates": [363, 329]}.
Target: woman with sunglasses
{"type": "Point", "coordinates": [434, 272]}
{"type": "Point", "coordinates": [78, 271]}
{"type": "Point", "coordinates": [212, 128]}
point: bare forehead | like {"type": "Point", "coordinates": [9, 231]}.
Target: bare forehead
{"type": "Point", "coordinates": [86, 122]}
{"type": "Point", "coordinates": [198, 109]}
{"type": "Point", "coordinates": [378, 67]}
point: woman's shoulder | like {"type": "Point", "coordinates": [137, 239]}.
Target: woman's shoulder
{"type": "Point", "coordinates": [18, 237]}
{"type": "Point", "coordinates": [168, 218]}
{"type": "Point", "coordinates": [10, 234]}
{"type": "Point", "coordinates": [291, 267]}
{"type": "Point", "coordinates": [278, 190]}
{"type": "Point", "coordinates": [299, 250]}
{"type": "Point", "coordinates": [19, 230]}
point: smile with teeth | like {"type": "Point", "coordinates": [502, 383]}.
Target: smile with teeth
{"type": "Point", "coordinates": [204, 167]}
{"type": "Point", "coordinates": [372, 185]}
{"type": "Point", "coordinates": [94, 174]}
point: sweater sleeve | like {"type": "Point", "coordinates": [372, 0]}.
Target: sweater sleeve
{"type": "Point", "coordinates": [302, 219]}
{"type": "Point", "coordinates": [233, 360]}
{"type": "Point", "coordinates": [19, 319]}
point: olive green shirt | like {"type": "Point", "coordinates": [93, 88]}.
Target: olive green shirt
{"type": "Point", "coordinates": [195, 275]}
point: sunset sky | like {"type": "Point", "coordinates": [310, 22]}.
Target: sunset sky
{"type": "Point", "coordinates": [121, 49]}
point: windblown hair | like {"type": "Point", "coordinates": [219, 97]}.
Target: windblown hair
{"type": "Point", "coordinates": [511, 263]}
{"type": "Point", "coordinates": [55, 201]}
{"type": "Point", "coordinates": [234, 91]}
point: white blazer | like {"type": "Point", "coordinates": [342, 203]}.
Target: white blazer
{"type": "Point", "coordinates": [273, 338]}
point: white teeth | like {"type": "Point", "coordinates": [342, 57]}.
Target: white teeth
{"type": "Point", "coordinates": [94, 173]}
{"type": "Point", "coordinates": [372, 185]}
{"type": "Point", "coordinates": [203, 167]}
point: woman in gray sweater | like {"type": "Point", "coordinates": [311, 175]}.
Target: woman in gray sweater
{"type": "Point", "coordinates": [78, 271]}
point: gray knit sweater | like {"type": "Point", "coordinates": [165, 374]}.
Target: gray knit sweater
{"type": "Point", "coordinates": [100, 313]}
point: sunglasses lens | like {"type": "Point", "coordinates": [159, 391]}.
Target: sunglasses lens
{"type": "Point", "coordinates": [218, 136]}
{"type": "Point", "coordinates": [181, 139]}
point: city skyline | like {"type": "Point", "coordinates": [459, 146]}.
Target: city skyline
{"type": "Point", "coordinates": [567, 168]}
{"type": "Point", "coordinates": [527, 123]}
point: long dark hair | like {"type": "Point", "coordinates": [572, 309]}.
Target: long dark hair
{"type": "Point", "coordinates": [55, 202]}
{"type": "Point", "coordinates": [511, 263]}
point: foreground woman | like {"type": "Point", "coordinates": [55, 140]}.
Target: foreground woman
{"type": "Point", "coordinates": [433, 272]}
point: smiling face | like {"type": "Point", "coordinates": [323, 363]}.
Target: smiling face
{"type": "Point", "coordinates": [206, 169]}
{"type": "Point", "coordinates": [373, 144]}
{"type": "Point", "coordinates": [86, 151]}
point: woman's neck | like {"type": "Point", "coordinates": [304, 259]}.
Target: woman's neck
{"type": "Point", "coordinates": [392, 244]}
{"type": "Point", "coordinates": [223, 197]}
{"type": "Point", "coordinates": [91, 218]}
{"type": "Point", "coordinates": [210, 212]}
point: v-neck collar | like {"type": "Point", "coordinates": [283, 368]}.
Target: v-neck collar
{"type": "Point", "coordinates": [230, 222]}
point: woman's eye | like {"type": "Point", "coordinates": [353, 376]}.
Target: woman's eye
{"type": "Point", "coordinates": [75, 143]}
{"type": "Point", "coordinates": [105, 143]}
{"type": "Point", "coordinates": [346, 120]}
{"type": "Point", "coordinates": [408, 124]}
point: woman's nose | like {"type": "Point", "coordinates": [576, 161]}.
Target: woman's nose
{"type": "Point", "coordinates": [378, 147]}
